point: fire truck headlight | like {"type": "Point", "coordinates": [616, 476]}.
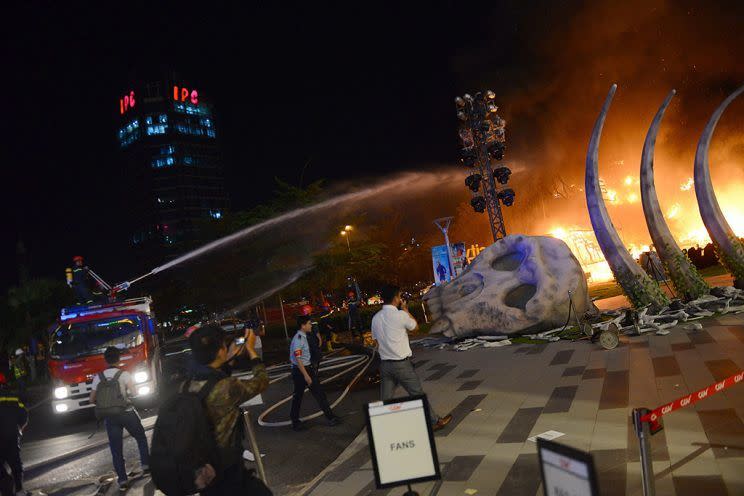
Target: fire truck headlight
{"type": "Point", "coordinates": [61, 408]}
{"type": "Point", "coordinates": [60, 393]}
{"type": "Point", "coordinates": [143, 391]}
{"type": "Point", "coordinates": [141, 376]}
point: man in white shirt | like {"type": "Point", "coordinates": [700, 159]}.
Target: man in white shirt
{"type": "Point", "coordinates": [128, 419]}
{"type": "Point", "coordinates": [390, 328]}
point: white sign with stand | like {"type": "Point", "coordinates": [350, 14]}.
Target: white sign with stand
{"type": "Point", "coordinates": [401, 442]}
{"type": "Point", "coordinates": [566, 471]}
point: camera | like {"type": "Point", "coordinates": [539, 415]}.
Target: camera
{"type": "Point", "coordinates": [240, 340]}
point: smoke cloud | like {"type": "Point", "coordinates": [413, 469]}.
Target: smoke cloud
{"type": "Point", "coordinates": [552, 94]}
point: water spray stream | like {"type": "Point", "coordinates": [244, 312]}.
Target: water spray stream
{"type": "Point", "coordinates": [391, 185]}
{"type": "Point", "coordinates": [256, 299]}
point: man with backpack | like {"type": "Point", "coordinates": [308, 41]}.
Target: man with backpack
{"type": "Point", "coordinates": [111, 389]}
{"type": "Point", "coordinates": [197, 442]}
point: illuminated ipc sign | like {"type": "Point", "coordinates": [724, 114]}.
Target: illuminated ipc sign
{"type": "Point", "coordinates": [126, 102]}
{"type": "Point", "coordinates": [185, 95]}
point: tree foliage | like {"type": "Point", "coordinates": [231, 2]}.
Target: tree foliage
{"type": "Point", "coordinates": [31, 307]}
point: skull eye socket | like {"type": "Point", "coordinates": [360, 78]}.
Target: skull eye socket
{"type": "Point", "coordinates": [467, 289]}
{"type": "Point", "coordinates": [509, 262]}
{"type": "Point", "coordinates": [519, 296]}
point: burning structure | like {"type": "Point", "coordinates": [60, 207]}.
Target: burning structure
{"type": "Point", "coordinates": [636, 284]}
{"type": "Point", "coordinates": [525, 284]}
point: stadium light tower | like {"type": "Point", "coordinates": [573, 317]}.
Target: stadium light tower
{"type": "Point", "coordinates": [483, 137]}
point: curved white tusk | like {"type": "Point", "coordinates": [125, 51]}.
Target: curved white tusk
{"type": "Point", "coordinates": [640, 289]}
{"type": "Point", "coordinates": [690, 285]}
{"type": "Point", "coordinates": [729, 247]}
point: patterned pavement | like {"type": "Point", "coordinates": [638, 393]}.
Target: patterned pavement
{"type": "Point", "coordinates": [501, 396]}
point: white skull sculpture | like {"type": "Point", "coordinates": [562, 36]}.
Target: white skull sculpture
{"type": "Point", "coordinates": [518, 284]}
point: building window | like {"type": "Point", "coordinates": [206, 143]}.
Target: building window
{"type": "Point", "coordinates": [189, 109]}
{"type": "Point", "coordinates": [159, 163]}
{"type": "Point", "coordinates": [157, 129]}
{"type": "Point", "coordinates": [152, 90]}
{"type": "Point", "coordinates": [129, 133]}
{"type": "Point", "coordinates": [167, 150]}
{"type": "Point", "coordinates": [148, 120]}
{"type": "Point", "coordinates": [215, 214]}
{"type": "Point", "coordinates": [194, 128]}
{"type": "Point", "coordinates": [163, 119]}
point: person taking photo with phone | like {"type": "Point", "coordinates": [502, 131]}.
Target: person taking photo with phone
{"type": "Point", "coordinates": [390, 327]}
{"type": "Point", "coordinates": [190, 456]}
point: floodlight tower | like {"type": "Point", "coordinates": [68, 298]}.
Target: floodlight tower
{"type": "Point", "coordinates": [483, 137]}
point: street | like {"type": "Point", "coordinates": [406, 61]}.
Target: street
{"type": "Point", "coordinates": [70, 456]}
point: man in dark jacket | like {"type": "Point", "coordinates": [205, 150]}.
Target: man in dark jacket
{"type": "Point", "coordinates": [212, 360]}
{"type": "Point", "coordinates": [13, 420]}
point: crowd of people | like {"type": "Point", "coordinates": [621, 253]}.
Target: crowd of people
{"type": "Point", "coordinates": [702, 257]}
{"type": "Point", "coordinates": [198, 440]}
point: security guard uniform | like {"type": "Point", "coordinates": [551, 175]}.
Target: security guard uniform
{"type": "Point", "coordinates": [299, 352]}
{"type": "Point", "coordinates": [13, 418]}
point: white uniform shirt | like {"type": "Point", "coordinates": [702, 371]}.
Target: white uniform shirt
{"type": "Point", "coordinates": [389, 329]}
{"type": "Point", "coordinates": [124, 379]}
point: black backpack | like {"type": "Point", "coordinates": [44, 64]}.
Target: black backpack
{"type": "Point", "coordinates": [183, 441]}
{"type": "Point", "coordinates": [109, 398]}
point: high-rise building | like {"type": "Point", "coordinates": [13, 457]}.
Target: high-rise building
{"type": "Point", "coordinates": [172, 166]}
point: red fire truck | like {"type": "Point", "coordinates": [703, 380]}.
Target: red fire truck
{"type": "Point", "coordinates": [80, 336]}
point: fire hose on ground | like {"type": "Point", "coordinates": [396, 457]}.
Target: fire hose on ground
{"type": "Point", "coordinates": [648, 422]}
{"type": "Point", "coordinates": [345, 365]}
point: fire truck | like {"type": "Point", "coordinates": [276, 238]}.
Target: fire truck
{"type": "Point", "coordinates": [77, 342]}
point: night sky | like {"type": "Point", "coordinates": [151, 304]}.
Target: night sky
{"type": "Point", "coordinates": [351, 92]}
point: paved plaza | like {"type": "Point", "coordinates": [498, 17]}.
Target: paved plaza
{"type": "Point", "coordinates": [501, 396]}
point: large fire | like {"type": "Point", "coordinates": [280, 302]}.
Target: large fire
{"type": "Point", "coordinates": [623, 202]}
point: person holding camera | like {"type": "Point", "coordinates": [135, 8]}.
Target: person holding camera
{"type": "Point", "coordinates": [214, 352]}
{"type": "Point", "coordinates": [390, 326]}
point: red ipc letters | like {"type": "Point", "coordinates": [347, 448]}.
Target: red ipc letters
{"type": "Point", "coordinates": [127, 102]}
{"type": "Point", "coordinates": [184, 94]}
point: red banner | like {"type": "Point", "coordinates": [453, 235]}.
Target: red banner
{"type": "Point", "coordinates": [693, 398]}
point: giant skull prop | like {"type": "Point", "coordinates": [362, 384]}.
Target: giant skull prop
{"type": "Point", "coordinates": [518, 284]}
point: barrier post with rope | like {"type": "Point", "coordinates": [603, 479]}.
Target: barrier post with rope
{"type": "Point", "coordinates": [648, 422]}
{"type": "Point", "coordinates": [251, 435]}
{"type": "Point", "coordinates": [644, 441]}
